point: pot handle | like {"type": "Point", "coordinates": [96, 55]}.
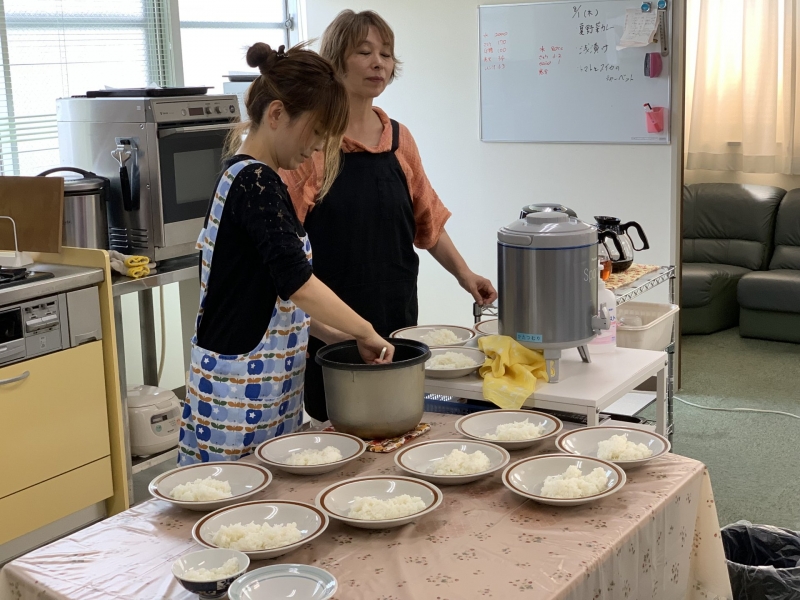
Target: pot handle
{"type": "Point", "coordinates": [70, 169]}
{"type": "Point", "coordinates": [645, 244]}
{"type": "Point", "coordinates": [613, 235]}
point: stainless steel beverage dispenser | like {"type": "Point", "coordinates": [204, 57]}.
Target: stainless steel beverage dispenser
{"type": "Point", "coordinates": [547, 272]}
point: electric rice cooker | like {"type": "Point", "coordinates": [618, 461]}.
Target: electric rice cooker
{"type": "Point", "coordinates": [153, 419]}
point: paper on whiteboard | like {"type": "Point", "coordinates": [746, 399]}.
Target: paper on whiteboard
{"type": "Point", "coordinates": [640, 29]}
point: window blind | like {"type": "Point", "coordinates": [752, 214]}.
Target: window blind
{"type": "Point", "coordinates": [60, 48]}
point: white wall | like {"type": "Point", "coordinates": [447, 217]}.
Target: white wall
{"type": "Point", "coordinates": [485, 185]}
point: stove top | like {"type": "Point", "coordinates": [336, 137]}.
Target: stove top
{"type": "Point", "coordinates": [12, 277]}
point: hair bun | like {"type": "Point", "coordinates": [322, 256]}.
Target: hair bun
{"type": "Point", "coordinates": [263, 57]}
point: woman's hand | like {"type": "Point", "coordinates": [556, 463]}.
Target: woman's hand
{"type": "Point", "coordinates": [371, 347]}
{"type": "Point", "coordinates": [481, 288]}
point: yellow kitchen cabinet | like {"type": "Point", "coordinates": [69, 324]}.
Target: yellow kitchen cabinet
{"type": "Point", "coordinates": [54, 415]}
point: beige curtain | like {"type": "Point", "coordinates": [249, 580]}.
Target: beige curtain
{"type": "Point", "coordinates": [741, 76]}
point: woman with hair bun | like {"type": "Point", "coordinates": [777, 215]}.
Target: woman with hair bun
{"type": "Point", "coordinates": [365, 228]}
{"type": "Point", "coordinates": [245, 382]}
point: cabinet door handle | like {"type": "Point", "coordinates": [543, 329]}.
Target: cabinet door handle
{"type": "Point", "coordinates": [25, 375]}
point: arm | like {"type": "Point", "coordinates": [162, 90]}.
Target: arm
{"type": "Point", "coordinates": [317, 299]}
{"type": "Point", "coordinates": [447, 255]}
{"type": "Point", "coordinates": [326, 333]}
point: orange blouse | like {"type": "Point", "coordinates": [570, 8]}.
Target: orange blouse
{"type": "Point", "coordinates": [430, 214]}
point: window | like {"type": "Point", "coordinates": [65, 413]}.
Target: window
{"type": "Point", "coordinates": [58, 48]}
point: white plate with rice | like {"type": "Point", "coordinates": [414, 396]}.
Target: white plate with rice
{"type": "Point", "coordinates": [510, 429]}
{"type": "Point", "coordinates": [261, 529]}
{"type": "Point", "coordinates": [379, 502]}
{"type": "Point", "coordinates": [436, 335]}
{"type": "Point", "coordinates": [451, 462]}
{"type": "Point", "coordinates": [564, 479]}
{"type": "Point", "coordinates": [626, 446]}
{"type": "Point", "coordinates": [210, 486]}
{"type": "Point", "coordinates": [310, 452]}
{"type": "Point", "coordinates": [451, 363]}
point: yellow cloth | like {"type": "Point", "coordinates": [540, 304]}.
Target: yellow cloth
{"type": "Point", "coordinates": [510, 371]}
{"type": "Point", "coordinates": [137, 272]}
{"type": "Point", "coordinates": [136, 261]}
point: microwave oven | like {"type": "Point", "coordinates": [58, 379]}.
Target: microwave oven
{"type": "Point", "coordinates": [162, 156]}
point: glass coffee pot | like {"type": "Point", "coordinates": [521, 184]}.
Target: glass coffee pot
{"type": "Point", "coordinates": [621, 261]}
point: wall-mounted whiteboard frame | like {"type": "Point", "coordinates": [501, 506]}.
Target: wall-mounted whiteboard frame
{"type": "Point", "coordinates": [516, 110]}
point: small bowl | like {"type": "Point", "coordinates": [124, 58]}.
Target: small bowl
{"type": "Point", "coordinates": [526, 477]}
{"type": "Point", "coordinates": [277, 450]}
{"type": "Point", "coordinates": [477, 355]}
{"type": "Point", "coordinates": [244, 478]}
{"type": "Point", "coordinates": [416, 459]}
{"type": "Point", "coordinates": [584, 442]}
{"type": "Point", "coordinates": [302, 582]}
{"type": "Point", "coordinates": [310, 521]}
{"type": "Point", "coordinates": [478, 424]}
{"type": "Point", "coordinates": [464, 334]}
{"type": "Point", "coordinates": [209, 559]}
{"type": "Point", "coordinates": [338, 498]}
{"type": "Point", "coordinates": [488, 327]}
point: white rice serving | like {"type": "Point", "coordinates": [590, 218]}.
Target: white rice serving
{"type": "Point", "coordinates": [314, 457]}
{"type": "Point", "coordinates": [516, 431]}
{"type": "Point", "coordinates": [231, 567]}
{"type": "Point", "coordinates": [461, 463]}
{"type": "Point", "coordinates": [440, 337]}
{"type": "Point", "coordinates": [574, 484]}
{"type": "Point", "coordinates": [201, 490]}
{"type": "Point", "coordinates": [369, 508]}
{"type": "Point", "coordinates": [617, 447]}
{"type": "Point", "coordinates": [252, 537]}
{"type": "Point", "coordinates": [450, 360]}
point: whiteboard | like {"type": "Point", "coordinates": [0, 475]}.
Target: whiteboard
{"type": "Point", "coordinates": [551, 72]}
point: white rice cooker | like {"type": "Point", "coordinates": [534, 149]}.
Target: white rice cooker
{"type": "Point", "coordinates": [153, 419]}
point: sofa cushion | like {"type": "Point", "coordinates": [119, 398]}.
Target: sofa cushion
{"type": "Point", "coordinates": [729, 223]}
{"type": "Point", "coordinates": [787, 233]}
{"type": "Point", "coordinates": [775, 290]}
{"type": "Point", "coordinates": [700, 282]}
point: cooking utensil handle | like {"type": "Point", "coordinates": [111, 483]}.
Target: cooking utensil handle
{"type": "Point", "coordinates": [125, 184]}
{"type": "Point", "coordinates": [21, 377]}
{"type": "Point", "coordinates": [640, 231]}
{"type": "Point", "coordinates": [70, 169]}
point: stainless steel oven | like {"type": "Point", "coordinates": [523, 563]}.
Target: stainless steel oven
{"type": "Point", "coordinates": [162, 156]}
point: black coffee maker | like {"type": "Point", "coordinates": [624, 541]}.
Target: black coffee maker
{"type": "Point", "coordinates": [623, 261]}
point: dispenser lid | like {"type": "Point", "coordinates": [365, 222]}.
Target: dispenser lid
{"type": "Point", "coordinates": [148, 395]}
{"type": "Point", "coordinates": [548, 230]}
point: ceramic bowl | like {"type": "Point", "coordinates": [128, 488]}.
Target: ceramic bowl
{"type": "Point", "coordinates": [584, 442]}
{"type": "Point", "coordinates": [244, 478]}
{"type": "Point", "coordinates": [276, 452]}
{"type": "Point", "coordinates": [477, 355]}
{"type": "Point", "coordinates": [338, 498]}
{"type": "Point", "coordinates": [209, 559]}
{"type": "Point", "coordinates": [419, 459]}
{"type": "Point", "coordinates": [526, 477]}
{"type": "Point", "coordinates": [309, 519]}
{"type": "Point", "coordinates": [298, 582]}
{"type": "Point", "coordinates": [488, 327]}
{"type": "Point", "coordinates": [479, 424]}
{"type": "Point", "coordinates": [418, 332]}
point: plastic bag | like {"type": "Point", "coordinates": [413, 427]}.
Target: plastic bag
{"type": "Point", "coordinates": [763, 561]}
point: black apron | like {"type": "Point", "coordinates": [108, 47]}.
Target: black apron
{"type": "Point", "coordinates": [362, 239]}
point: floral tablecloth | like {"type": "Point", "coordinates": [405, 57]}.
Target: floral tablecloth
{"type": "Point", "coordinates": [657, 538]}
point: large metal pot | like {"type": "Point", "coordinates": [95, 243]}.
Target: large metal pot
{"type": "Point", "coordinates": [374, 401]}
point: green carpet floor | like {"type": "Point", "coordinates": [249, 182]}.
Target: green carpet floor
{"type": "Point", "coordinates": [753, 459]}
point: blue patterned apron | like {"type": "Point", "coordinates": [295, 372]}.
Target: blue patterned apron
{"type": "Point", "coordinates": [235, 402]}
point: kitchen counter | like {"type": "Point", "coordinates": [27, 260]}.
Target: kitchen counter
{"type": "Point", "coordinates": [657, 538]}
{"type": "Point", "coordinates": [66, 277]}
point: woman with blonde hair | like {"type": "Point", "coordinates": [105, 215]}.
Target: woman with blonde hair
{"type": "Point", "coordinates": [380, 206]}
{"type": "Point", "coordinates": [245, 381]}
